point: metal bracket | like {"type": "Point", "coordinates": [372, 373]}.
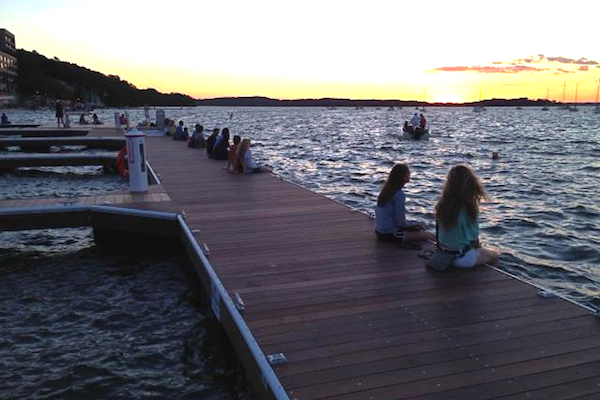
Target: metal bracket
{"type": "Point", "coordinates": [205, 249]}
{"type": "Point", "coordinates": [239, 303]}
{"type": "Point", "coordinates": [277, 358]}
{"type": "Point", "coordinates": [546, 294]}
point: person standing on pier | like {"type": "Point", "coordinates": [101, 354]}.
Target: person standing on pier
{"type": "Point", "coordinates": [457, 214]}
{"type": "Point", "coordinates": [390, 214]}
{"type": "Point", "coordinates": [60, 113]}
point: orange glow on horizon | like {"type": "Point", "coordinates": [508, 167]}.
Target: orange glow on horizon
{"type": "Point", "coordinates": [285, 51]}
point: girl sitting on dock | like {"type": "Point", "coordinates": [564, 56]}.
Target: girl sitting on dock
{"type": "Point", "coordinates": [233, 165]}
{"type": "Point", "coordinates": [244, 156]}
{"type": "Point", "coordinates": [457, 214]}
{"type": "Point", "coordinates": [390, 214]}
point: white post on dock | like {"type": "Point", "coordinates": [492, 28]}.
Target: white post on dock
{"type": "Point", "coordinates": [160, 120]}
{"type": "Point", "coordinates": [136, 157]}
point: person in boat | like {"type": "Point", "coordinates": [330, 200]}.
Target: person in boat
{"type": "Point", "coordinates": [408, 128]}
{"type": "Point", "coordinates": [4, 119]}
{"type": "Point", "coordinates": [221, 148]}
{"type": "Point", "coordinates": [422, 122]}
{"type": "Point", "coordinates": [60, 114]}
{"type": "Point", "coordinates": [82, 120]}
{"type": "Point", "coordinates": [391, 224]}
{"type": "Point", "coordinates": [457, 214]}
{"type": "Point", "coordinates": [244, 156]}
{"type": "Point", "coordinates": [415, 121]}
{"type": "Point", "coordinates": [96, 120]}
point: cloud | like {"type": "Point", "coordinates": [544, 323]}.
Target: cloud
{"type": "Point", "coordinates": [565, 60]}
{"type": "Point", "coordinates": [486, 69]}
{"type": "Point", "coordinates": [528, 64]}
{"type": "Point", "coordinates": [585, 61]}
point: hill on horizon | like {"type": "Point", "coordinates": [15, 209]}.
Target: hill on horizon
{"type": "Point", "coordinates": [45, 78]}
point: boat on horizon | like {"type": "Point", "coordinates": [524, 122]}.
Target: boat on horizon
{"type": "Point", "coordinates": [597, 108]}
{"type": "Point", "coordinates": [479, 107]}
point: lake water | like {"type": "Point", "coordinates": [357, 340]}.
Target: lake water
{"type": "Point", "coordinates": [78, 323]}
{"type": "Point", "coordinates": [542, 213]}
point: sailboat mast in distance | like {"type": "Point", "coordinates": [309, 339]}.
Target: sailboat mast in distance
{"type": "Point", "coordinates": [598, 90]}
{"type": "Point", "coordinates": [564, 88]}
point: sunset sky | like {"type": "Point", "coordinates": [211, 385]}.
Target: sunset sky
{"type": "Point", "coordinates": [427, 50]}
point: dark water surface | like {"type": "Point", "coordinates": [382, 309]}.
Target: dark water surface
{"type": "Point", "coordinates": [76, 322]}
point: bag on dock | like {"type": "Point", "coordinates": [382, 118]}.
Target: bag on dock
{"type": "Point", "coordinates": [440, 260]}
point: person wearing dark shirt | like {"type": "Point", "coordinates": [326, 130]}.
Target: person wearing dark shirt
{"type": "Point", "coordinates": [210, 142]}
{"type": "Point", "coordinates": [220, 150]}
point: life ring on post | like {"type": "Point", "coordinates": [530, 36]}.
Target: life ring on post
{"type": "Point", "coordinates": [122, 162]}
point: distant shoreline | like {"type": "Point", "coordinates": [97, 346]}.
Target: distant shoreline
{"type": "Point", "coordinates": [332, 102]}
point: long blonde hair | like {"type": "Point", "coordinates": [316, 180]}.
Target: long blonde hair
{"type": "Point", "coordinates": [461, 190]}
{"type": "Point", "coordinates": [242, 148]}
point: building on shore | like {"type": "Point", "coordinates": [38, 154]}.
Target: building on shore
{"type": "Point", "coordinates": [8, 69]}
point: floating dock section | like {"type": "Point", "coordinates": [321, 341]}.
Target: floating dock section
{"type": "Point", "coordinates": [46, 142]}
{"type": "Point", "coordinates": [317, 308]}
{"type": "Point", "coordinates": [43, 132]}
{"type": "Point", "coordinates": [10, 162]}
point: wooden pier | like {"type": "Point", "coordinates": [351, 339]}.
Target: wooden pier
{"type": "Point", "coordinates": [43, 132]}
{"type": "Point", "coordinates": [13, 126]}
{"type": "Point", "coordinates": [46, 142]}
{"type": "Point", "coordinates": [108, 160]}
{"type": "Point", "coordinates": [359, 319]}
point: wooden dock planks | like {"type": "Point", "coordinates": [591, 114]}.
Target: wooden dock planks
{"type": "Point", "coordinates": [358, 319]}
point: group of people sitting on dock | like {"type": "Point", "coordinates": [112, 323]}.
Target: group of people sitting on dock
{"type": "Point", "coordinates": [238, 154]}
{"type": "Point", "coordinates": [456, 214]}
{"type": "Point", "coordinates": [95, 120]}
{"type": "Point", "coordinates": [417, 125]}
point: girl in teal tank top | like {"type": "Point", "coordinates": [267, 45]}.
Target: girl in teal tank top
{"type": "Point", "coordinates": [457, 214]}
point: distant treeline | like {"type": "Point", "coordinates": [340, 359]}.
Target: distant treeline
{"type": "Point", "coordinates": [329, 102]}
{"type": "Point", "coordinates": [43, 78]}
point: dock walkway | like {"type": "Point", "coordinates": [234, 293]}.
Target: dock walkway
{"type": "Point", "coordinates": [360, 319]}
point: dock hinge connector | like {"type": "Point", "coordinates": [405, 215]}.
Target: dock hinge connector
{"type": "Point", "coordinates": [275, 359]}
{"type": "Point", "coordinates": [239, 303]}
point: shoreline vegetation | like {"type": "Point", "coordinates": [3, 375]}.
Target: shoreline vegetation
{"type": "Point", "coordinates": [42, 80]}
